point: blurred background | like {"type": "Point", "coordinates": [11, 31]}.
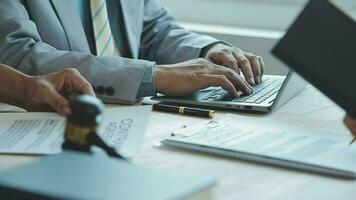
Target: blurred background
{"type": "Point", "coordinates": [252, 25]}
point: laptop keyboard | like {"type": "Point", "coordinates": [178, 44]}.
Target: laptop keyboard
{"type": "Point", "coordinates": [267, 88]}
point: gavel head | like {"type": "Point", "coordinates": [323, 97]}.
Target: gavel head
{"type": "Point", "coordinates": [85, 118]}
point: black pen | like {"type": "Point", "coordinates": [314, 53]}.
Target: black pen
{"type": "Point", "coordinates": [184, 110]}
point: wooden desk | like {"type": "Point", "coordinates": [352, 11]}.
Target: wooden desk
{"type": "Point", "coordinates": [239, 179]}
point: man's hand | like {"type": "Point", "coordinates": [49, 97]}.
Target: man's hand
{"type": "Point", "coordinates": [187, 77]}
{"type": "Point", "coordinates": [252, 66]}
{"type": "Point", "coordinates": [54, 90]}
{"type": "Point", "coordinates": [351, 124]}
{"type": "Point", "coordinates": [35, 93]}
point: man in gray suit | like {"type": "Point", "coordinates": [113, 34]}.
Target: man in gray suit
{"type": "Point", "coordinates": [127, 49]}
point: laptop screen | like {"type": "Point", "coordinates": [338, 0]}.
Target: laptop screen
{"type": "Point", "coordinates": [321, 46]}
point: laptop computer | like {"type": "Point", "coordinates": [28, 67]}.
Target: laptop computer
{"type": "Point", "coordinates": [271, 93]}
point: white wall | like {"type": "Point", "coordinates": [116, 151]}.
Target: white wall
{"type": "Point", "coordinates": [260, 14]}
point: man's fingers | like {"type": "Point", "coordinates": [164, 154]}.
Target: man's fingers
{"type": "Point", "coordinates": [49, 89]}
{"type": "Point", "coordinates": [222, 81]}
{"type": "Point", "coordinates": [228, 60]}
{"type": "Point", "coordinates": [351, 124]}
{"type": "Point", "coordinates": [245, 66]}
{"type": "Point", "coordinates": [263, 66]}
{"type": "Point", "coordinates": [231, 62]}
{"type": "Point", "coordinates": [233, 77]}
{"type": "Point", "coordinates": [236, 80]}
{"type": "Point", "coordinates": [76, 82]}
{"type": "Point", "coordinates": [55, 100]}
{"type": "Point", "coordinates": [255, 66]}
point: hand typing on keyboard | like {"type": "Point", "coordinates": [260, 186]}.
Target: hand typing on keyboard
{"type": "Point", "coordinates": [251, 66]}
{"type": "Point", "coordinates": [187, 77]}
{"type": "Point", "coordinates": [261, 92]}
{"type": "Point", "coordinates": [223, 66]}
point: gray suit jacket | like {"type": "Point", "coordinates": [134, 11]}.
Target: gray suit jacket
{"type": "Point", "coordinates": [42, 36]}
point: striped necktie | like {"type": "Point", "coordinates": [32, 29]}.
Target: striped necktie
{"type": "Point", "coordinates": [104, 41]}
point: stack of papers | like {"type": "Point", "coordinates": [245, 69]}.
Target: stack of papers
{"type": "Point", "coordinates": [271, 142]}
{"type": "Point", "coordinates": [43, 133]}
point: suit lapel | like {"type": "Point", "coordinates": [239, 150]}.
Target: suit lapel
{"type": "Point", "coordinates": [129, 12]}
{"type": "Point", "coordinates": [72, 25]}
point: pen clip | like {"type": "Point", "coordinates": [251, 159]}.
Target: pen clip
{"type": "Point", "coordinates": [212, 124]}
{"type": "Point", "coordinates": [178, 135]}
{"type": "Point", "coordinates": [195, 129]}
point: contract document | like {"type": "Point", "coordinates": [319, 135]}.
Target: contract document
{"type": "Point", "coordinates": [43, 133]}
{"type": "Point", "coordinates": [271, 142]}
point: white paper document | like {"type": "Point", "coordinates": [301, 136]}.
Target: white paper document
{"type": "Point", "coordinates": [43, 133]}
{"type": "Point", "coordinates": [271, 142]}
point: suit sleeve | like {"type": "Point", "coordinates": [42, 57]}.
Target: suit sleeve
{"type": "Point", "coordinates": [22, 48]}
{"type": "Point", "coordinates": [166, 42]}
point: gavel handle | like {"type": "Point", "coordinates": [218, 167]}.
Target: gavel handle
{"type": "Point", "coordinates": [94, 139]}
{"type": "Point", "coordinates": [72, 146]}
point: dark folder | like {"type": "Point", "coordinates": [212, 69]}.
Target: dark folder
{"type": "Point", "coordinates": [321, 46]}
